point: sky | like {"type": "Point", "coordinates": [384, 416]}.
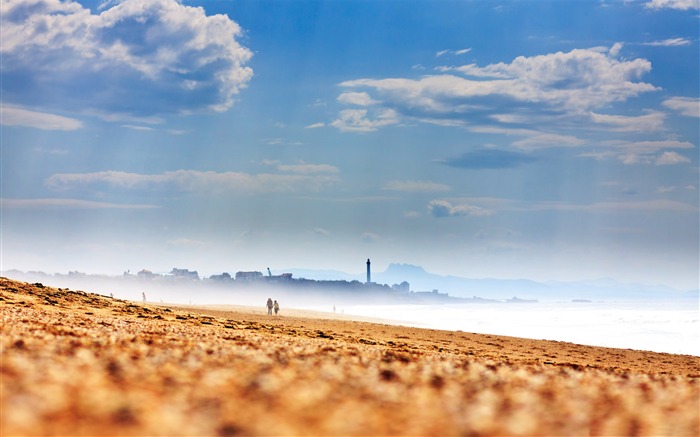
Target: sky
{"type": "Point", "coordinates": [547, 140]}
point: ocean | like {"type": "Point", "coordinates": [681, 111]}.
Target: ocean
{"type": "Point", "coordinates": [659, 326]}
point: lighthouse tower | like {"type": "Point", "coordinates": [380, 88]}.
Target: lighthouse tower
{"type": "Point", "coordinates": [369, 273]}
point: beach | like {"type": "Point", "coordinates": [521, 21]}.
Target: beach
{"type": "Point", "coordinates": [78, 363]}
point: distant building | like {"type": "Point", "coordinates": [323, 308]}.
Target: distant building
{"type": "Point", "coordinates": [284, 277]}
{"type": "Point", "coordinates": [185, 274]}
{"type": "Point", "coordinates": [222, 277]}
{"type": "Point", "coordinates": [403, 287]}
{"type": "Point", "coordinates": [145, 274]}
{"type": "Point", "coordinates": [248, 276]}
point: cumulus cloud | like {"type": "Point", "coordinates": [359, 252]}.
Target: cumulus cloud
{"type": "Point", "coordinates": [443, 208]}
{"type": "Point", "coordinates": [671, 158]}
{"type": "Point", "coordinates": [135, 57]}
{"type": "Point", "coordinates": [553, 86]}
{"type": "Point", "coordinates": [359, 99]}
{"type": "Point", "coordinates": [415, 186]}
{"type": "Point", "coordinates": [195, 181]}
{"type": "Point", "coordinates": [687, 106]}
{"type": "Point", "coordinates": [11, 116]}
{"type": "Point", "coordinates": [356, 120]}
{"type": "Point", "coordinates": [673, 4]}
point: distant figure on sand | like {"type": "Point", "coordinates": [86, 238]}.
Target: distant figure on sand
{"type": "Point", "coordinates": [144, 296]}
{"type": "Point", "coordinates": [277, 308]}
{"type": "Point", "coordinates": [269, 306]}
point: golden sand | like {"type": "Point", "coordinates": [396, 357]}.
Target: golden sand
{"type": "Point", "coordinates": [76, 363]}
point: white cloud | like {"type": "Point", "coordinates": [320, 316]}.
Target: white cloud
{"type": "Point", "coordinates": [359, 99]}
{"type": "Point", "coordinates": [315, 125]}
{"type": "Point", "coordinates": [12, 116]}
{"type": "Point", "coordinates": [654, 205]}
{"type": "Point", "coordinates": [443, 208]}
{"type": "Point", "coordinates": [452, 52]}
{"type": "Point", "coordinates": [533, 139]}
{"type": "Point", "coordinates": [67, 204]}
{"type": "Point", "coordinates": [196, 181]}
{"type": "Point", "coordinates": [321, 232]}
{"type": "Point", "coordinates": [186, 243]}
{"type": "Point", "coordinates": [541, 140]}
{"type": "Point", "coordinates": [673, 4]}
{"type": "Point", "coordinates": [137, 127]}
{"type": "Point", "coordinates": [671, 158]}
{"type": "Point", "coordinates": [169, 57]}
{"type": "Point", "coordinates": [615, 49]}
{"type": "Point", "coordinates": [308, 168]}
{"type": "Point", "coordinates": [653, 121]}
{"type": "Point", "coordinates": [664, 190]}
{"type": "Point", "coordinates": [355, 120]}
{"type": "Point", "coordinates": [415, 186]}
{"type": "Point", "coordinates": [649, 146]}
{"type": "Point", "coordinates": [687, 106]}
{"type": "Point", "coordinates": [572, 84]}
{"type": "Point", "coordinates": [638, 152]}
{"type": "Point", "coordinates": [671, 42]}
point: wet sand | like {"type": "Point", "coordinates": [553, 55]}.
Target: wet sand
{"type": "Point", "coordinates": [76, 363]}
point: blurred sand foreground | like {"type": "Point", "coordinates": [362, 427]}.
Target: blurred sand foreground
{"type": "Point", "coordinates": [76, 363]}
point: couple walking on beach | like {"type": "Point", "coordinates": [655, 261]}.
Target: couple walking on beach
{"type": "Point", "coordinates": [270, 306]}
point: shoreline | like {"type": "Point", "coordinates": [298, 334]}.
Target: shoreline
{"type": "Point", "coordinates": [77, 363]}
{"type": "Point", "coordinates": [684, 344]}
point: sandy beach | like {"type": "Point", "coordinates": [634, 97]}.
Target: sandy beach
{"type": "Point", "coordinates": [77, 363]}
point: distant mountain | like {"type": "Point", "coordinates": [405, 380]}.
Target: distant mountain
{"type": "Point", "coordinates": [489, 288]}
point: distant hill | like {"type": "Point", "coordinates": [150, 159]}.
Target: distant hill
{"type": "Point", "coordinates": [490, 288]}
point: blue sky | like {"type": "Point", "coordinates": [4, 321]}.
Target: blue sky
{"type": "Point", "coordinates": [515, 139]}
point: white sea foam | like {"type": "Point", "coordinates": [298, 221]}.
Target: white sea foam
{"type": "Point", "coordinates": [654, 326]}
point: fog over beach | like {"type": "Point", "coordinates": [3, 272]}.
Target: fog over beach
{"type": "Point", "coordinates": [615, 316]}
{"type": "Point", "coordinates": [671, 327]}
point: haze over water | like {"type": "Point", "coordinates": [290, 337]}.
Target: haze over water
{"type": "Point", "coordinates": [671, 327]}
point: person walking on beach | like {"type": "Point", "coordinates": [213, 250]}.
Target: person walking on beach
{"type": "Point", "coordinates": [269, 306]}
{"type": "Point", "coordinates": [277, 308]}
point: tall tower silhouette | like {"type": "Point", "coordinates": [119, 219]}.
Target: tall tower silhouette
{"type": "Point", "coordinates": [369, 272]}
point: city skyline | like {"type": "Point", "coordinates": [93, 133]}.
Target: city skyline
{"type": "Point", "coordinates": [519, 139]}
